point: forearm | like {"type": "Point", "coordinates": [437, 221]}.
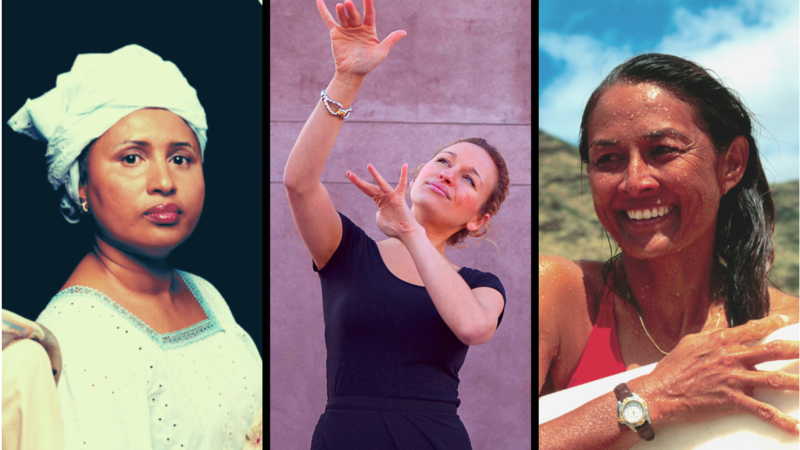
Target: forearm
{"type": "Point", "coordinates": [310, 152]}
{"type": "Point", "coordinates": [451, 295]}
{"type": "Point", "coordinates": [595, 426]}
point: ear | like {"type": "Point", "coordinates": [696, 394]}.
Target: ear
{"type": "Point", "coordinates": [82, 194]}
{"type": "Point", "coordinates": [731, 165]}
{"type": "Point", "coordinates": [476, 224]}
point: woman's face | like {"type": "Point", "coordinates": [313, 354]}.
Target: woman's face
{"type": "Point", "coordinates": [151, 157]}
{"type": "Point", "coordinates": [646, 152]}
{"type": "Point", "coordinates": [467, 174]}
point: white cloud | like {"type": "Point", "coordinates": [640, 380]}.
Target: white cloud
{"type": "Point", "coordinates": [754, 47]}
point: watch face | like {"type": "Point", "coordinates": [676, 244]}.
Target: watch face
{"type": "Point", "coordinates": [633, 412]}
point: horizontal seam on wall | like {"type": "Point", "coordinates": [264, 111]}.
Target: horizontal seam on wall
{"type": "Point", "coordinates": [390, 182]}
{"type": "Point", "coordinates": [413, 123]}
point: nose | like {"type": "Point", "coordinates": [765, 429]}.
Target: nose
{"type": "Point", "coordinates": [638, 177]}
{"type": "Point", "coordinates": [160, 179]}
{"type": "Point", "coordinates": [446, 176]}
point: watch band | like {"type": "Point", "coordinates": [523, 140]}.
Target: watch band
{"type": "Point", "coordinates": [645, 431]}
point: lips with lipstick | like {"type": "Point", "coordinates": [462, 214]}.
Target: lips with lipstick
{"type": "Point", "coordinates": [165, 213]}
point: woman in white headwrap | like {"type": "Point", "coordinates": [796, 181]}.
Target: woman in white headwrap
{"type": "Point", "coordinates": [152, 356]}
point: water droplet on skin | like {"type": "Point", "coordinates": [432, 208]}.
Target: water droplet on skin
{"type": "Point", "coordinates": [548, 330]}
{"type": "Point", "coordinates": [541, 337]}
{"type": "Point", "coordinates": [647, 286]}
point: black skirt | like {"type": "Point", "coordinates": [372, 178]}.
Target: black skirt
{"type": "Point", "coordinates": [369, 423]}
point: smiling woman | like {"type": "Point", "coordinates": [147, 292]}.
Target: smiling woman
{"type": "Point", "coordinates": [676, 180]}
{"type": "Point", "coordinates": [147, 350]}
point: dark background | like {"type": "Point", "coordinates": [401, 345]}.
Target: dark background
{"type": "Point", "coordinates": [218, 48]}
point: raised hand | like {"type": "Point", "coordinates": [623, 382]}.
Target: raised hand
{"type": "Point", "coordinates": [394, 217]}
{"type": "Point", "coordinates": [356, 48]}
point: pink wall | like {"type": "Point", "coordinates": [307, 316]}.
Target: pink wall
{"type": "Point", "coordinates": [463, 70]}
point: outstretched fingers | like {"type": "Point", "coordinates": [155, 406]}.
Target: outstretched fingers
{"type": "Point", "coordinates": [385, 187]}
{"type": "Point", "coordinates": [367, 188]}
{"type": "Point", "coordinates": [769, 414]}
{"type": "Point", "coordinates": [344, 22]}
{"type": "Point", "coordinates": [369, 13]}
{"type": "Point", "coordinates": [326, 15]}
{"type": "Point", "coordinates": [401, 186]}
{"type": "Point", "coordinates": [352, 13]}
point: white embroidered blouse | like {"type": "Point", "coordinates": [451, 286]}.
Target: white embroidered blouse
{"type": "Point", "coordinates": [124, 386]}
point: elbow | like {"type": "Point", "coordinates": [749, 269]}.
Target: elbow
{"type": "Point", "coordinates": [289, 184]}
{"type": "Point", "coordinates": [478, 335]}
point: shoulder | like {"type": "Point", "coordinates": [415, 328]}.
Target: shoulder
{"type": "Point", "coordinates": [196, 279]}
{"type": "Point", "coordinates": [783, 303]}
{"type": "Point", "coordinates": [567, 287]}
{"type": "Point", "coordinates": [558, 275]}
{"type": "Point", "coordinates": [201, 286]}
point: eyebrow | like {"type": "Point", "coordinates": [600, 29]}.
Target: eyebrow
{"type": "Point", "coordinates": [147, 144]}
{"type": "Point", "coordinates": [470, 168]}
{"type": "Point", "coordinates": [657, 134]}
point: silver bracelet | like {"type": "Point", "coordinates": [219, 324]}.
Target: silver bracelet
{"type": "Point", "coordinates": [343, 113]}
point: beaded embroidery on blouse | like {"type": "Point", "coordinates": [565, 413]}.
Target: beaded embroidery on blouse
{"type": "Point", "coordinates": [177, 339]}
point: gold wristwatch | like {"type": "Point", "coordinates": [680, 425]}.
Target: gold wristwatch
{"type": "Point", "coordinates": [632, 411]}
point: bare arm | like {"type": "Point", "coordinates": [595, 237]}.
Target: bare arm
{"type": "Point", "coordinates": [595, 426]}
{"type": "Point", "coordinates": [708, 375]}
{"type": "Point", "coordinates": [310, 152]}
{"type": "Point", "coordinates": [356, 52]}
{"type": "Point", "coordinates": [451, 295]}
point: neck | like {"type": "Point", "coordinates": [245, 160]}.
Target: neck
{"type": "Point", "coordinates": [676, 293]}
{"type": "Point", "coordinates": [436, 235]}
{"type": "Point", "coordinates": [142, 276]}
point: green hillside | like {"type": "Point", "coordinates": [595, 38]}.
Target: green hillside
{"type": "Point", "coordinates": [569, 227]}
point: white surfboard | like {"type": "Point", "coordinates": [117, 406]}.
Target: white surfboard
{"type": "Point", "coordinates": [738, 431]}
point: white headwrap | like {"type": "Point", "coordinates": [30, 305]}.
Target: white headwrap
{"type": "Point", "coordinates": [100, 90]}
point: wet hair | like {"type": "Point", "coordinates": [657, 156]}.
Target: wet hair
{"type": "Point", "coordinates": [496, 197]}
{"type": "Point", "coordinates": [746, 216]}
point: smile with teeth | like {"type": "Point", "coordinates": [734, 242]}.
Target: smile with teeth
{"type": "Point", "coordinates": [649, 213]}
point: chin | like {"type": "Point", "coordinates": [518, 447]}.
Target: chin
{"type": "Point", "coordinates": [655, 248]}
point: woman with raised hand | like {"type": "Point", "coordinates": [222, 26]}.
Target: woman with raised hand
{"type": "Point", "coordinates": [152, 356]}
{"type": "Point", "coordinates": [676, 180]}
{"type": "Point", "coordinates": [399, 317]}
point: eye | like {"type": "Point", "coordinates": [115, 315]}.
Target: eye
{"type": "Point", "coordinates": [130, 159]}
{"type": "Point", "coordinates": [605, 159]}
{"type": "Point", "coordinates": [182, 161]}
{"type": "Point", "coordinates": [661, 149]}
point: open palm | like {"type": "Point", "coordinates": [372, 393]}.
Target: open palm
{"type": "Point", "coordinates": [355, 44]}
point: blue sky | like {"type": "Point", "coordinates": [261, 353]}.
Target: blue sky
{"type": "Point", "coordinates": [752, 45]}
